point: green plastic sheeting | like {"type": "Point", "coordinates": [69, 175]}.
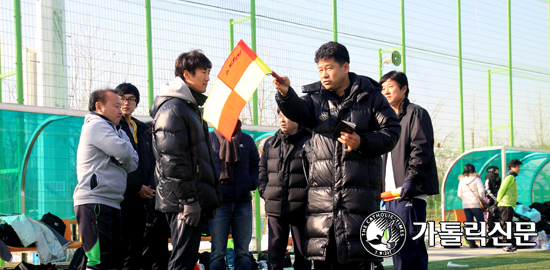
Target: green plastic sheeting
{"type": "Point", "coordinates": [533, 180]}
{"type": "Point", "coordinates": [47, 138]}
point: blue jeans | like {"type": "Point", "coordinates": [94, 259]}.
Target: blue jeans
{"type": "Point", "coordinates": [238, 217]}
{"type": "Point", "coordinates": [470, 213]}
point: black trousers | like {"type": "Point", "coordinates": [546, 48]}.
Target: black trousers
{"type": "Point", "coordinates": [155, 242]}
{"type": "Point", "coordinates": [279, 229]}
{"type": "Point", "coordinates": [99, 227]}
{"type": "Point", "coordinates": [185, 243]}
{"type": "Point", "coordinates": [493, 215]}
{"type": "Point", "coordinates": [129, 251]}
{"type": "Point", "coordinates": [413, 255]}
{"type": "Point", "coordinates": [507, 215]}
{"type": "Point", "coordinates": [331, 259]}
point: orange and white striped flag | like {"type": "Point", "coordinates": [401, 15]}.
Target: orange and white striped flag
{"type": "Point", "coordinates": [239, 77]}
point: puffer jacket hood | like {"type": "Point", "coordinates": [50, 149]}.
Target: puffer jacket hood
{"type": "Point", "coordinates": [468, 197]}
{"type": "Point", "coordinates": [177, 88]}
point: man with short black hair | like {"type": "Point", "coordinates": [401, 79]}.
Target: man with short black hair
{"type": "Point", "coordinates": [188, 188]}
{"type": "Point", "coordinates": [492, 186]}
{"type": "Point", "coordinates": [283, 186]}
{"type": "Point", "coordinates": [345, 177]}
{"type": "Point", "coordinates": [138, 187]}
{"type": "Point", "coordinates": [104, 158]}
{"type": "Point", "coordinates": [507, 198]}
{"type": "Point", "coordinates": [411, 166]}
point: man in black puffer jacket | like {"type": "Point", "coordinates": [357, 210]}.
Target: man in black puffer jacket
{"type": "Point", "coordinates": [283, 186]}
{"type": "Point", "coordinates": [492, 185]}
{"type": "Point", "coordinates": [188, 188]}
{"type": "Point", "coordinates": [345, 175]}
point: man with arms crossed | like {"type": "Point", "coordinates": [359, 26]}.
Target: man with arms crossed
{"type": "Point", "coordinates": [104, 158]}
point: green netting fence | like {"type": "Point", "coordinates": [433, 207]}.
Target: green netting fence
{"type": "Point", "coordinates": [533, 181]}
{"type": "Point", "coordinates": [47, 143]}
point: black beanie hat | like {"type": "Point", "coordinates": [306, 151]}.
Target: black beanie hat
{"type": "Point", "coordinates": [492, 169]}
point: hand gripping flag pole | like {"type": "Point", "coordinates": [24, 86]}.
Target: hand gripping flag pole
{"type": "Point", "coordinates": [239, 77]}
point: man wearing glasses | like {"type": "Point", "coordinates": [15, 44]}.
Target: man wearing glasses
{"type": "Point", "coordinates": [139, 185]}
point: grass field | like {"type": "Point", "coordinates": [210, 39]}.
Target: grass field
{"type": "Point", "coordinates": [520, 261]}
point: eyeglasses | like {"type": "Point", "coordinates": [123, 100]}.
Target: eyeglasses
{"type": "Point", "coordinates": [129, 100]}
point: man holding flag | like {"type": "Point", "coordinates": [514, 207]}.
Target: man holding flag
{"type": "Point", "coordinates": [188, 188]}
{"type": "Point", "coordinates": [345, 176]}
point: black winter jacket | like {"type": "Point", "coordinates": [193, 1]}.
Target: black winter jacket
{"type": "Point", "coordinates": [185, 171]}
{"type": "Point", "coordinates": [245, 170]}
{"type": "Point", "coordinates": [283, 184]}
{"type": "Point", "coordinates": [145, 173]}
{"type": "Point", "coordinates": [492, 185]}
{"type": "Point", "coordinates": [344, 187]}
{"type": "Point", "coordinates": [413, 156]}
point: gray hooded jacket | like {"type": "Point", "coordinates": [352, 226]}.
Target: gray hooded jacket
{"type": "Point", "coordinates": [104, 158]}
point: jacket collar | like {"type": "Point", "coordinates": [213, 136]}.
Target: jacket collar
{"type": "Point", "coordinates": [403, 108]}
{"type": "Point", "coordinates": [138, 123]}
{"type": "Point", "coordinates": [279, 136]}
{"type": "Point", "coordinates": [510, 172]}
{"type": "Point", "coordinates": [107, 119]}
{"type": "Point", "coordinates": [361, 86]}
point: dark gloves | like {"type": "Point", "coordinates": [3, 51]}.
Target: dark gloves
{"type": "Point", "coordinates": [408, 191]}
{"type": "Point", "coordinates": [192, 214]}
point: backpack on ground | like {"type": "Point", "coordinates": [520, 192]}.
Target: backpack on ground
{"type": "Point", "coordinates": [54, 222]}
{"type": "Point", "coordinates": [79, 260]}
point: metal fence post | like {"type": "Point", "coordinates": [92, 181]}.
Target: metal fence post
{"type": "Point", "coordinates": [149, 37]}
{"type": "Point", "coordinates": [460, 86]}
{"type": "Point", "coordinates": [18, 50]}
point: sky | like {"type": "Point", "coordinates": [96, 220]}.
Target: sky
{"type": "Point", "coordinates": [106, 45]}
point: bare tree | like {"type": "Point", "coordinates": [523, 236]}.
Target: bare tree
{"type": "Point", "coordinates": [541, 120]}
{"type": "Point", "coordinates": [91, 63]}
{"type": "Point", "coordinates": [444, 155]}
{"type": "Point", "coordinates": [474, 120]}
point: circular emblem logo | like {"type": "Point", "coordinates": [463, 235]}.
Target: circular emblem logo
{"type": "Point", "coordinates": [383, 234]}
